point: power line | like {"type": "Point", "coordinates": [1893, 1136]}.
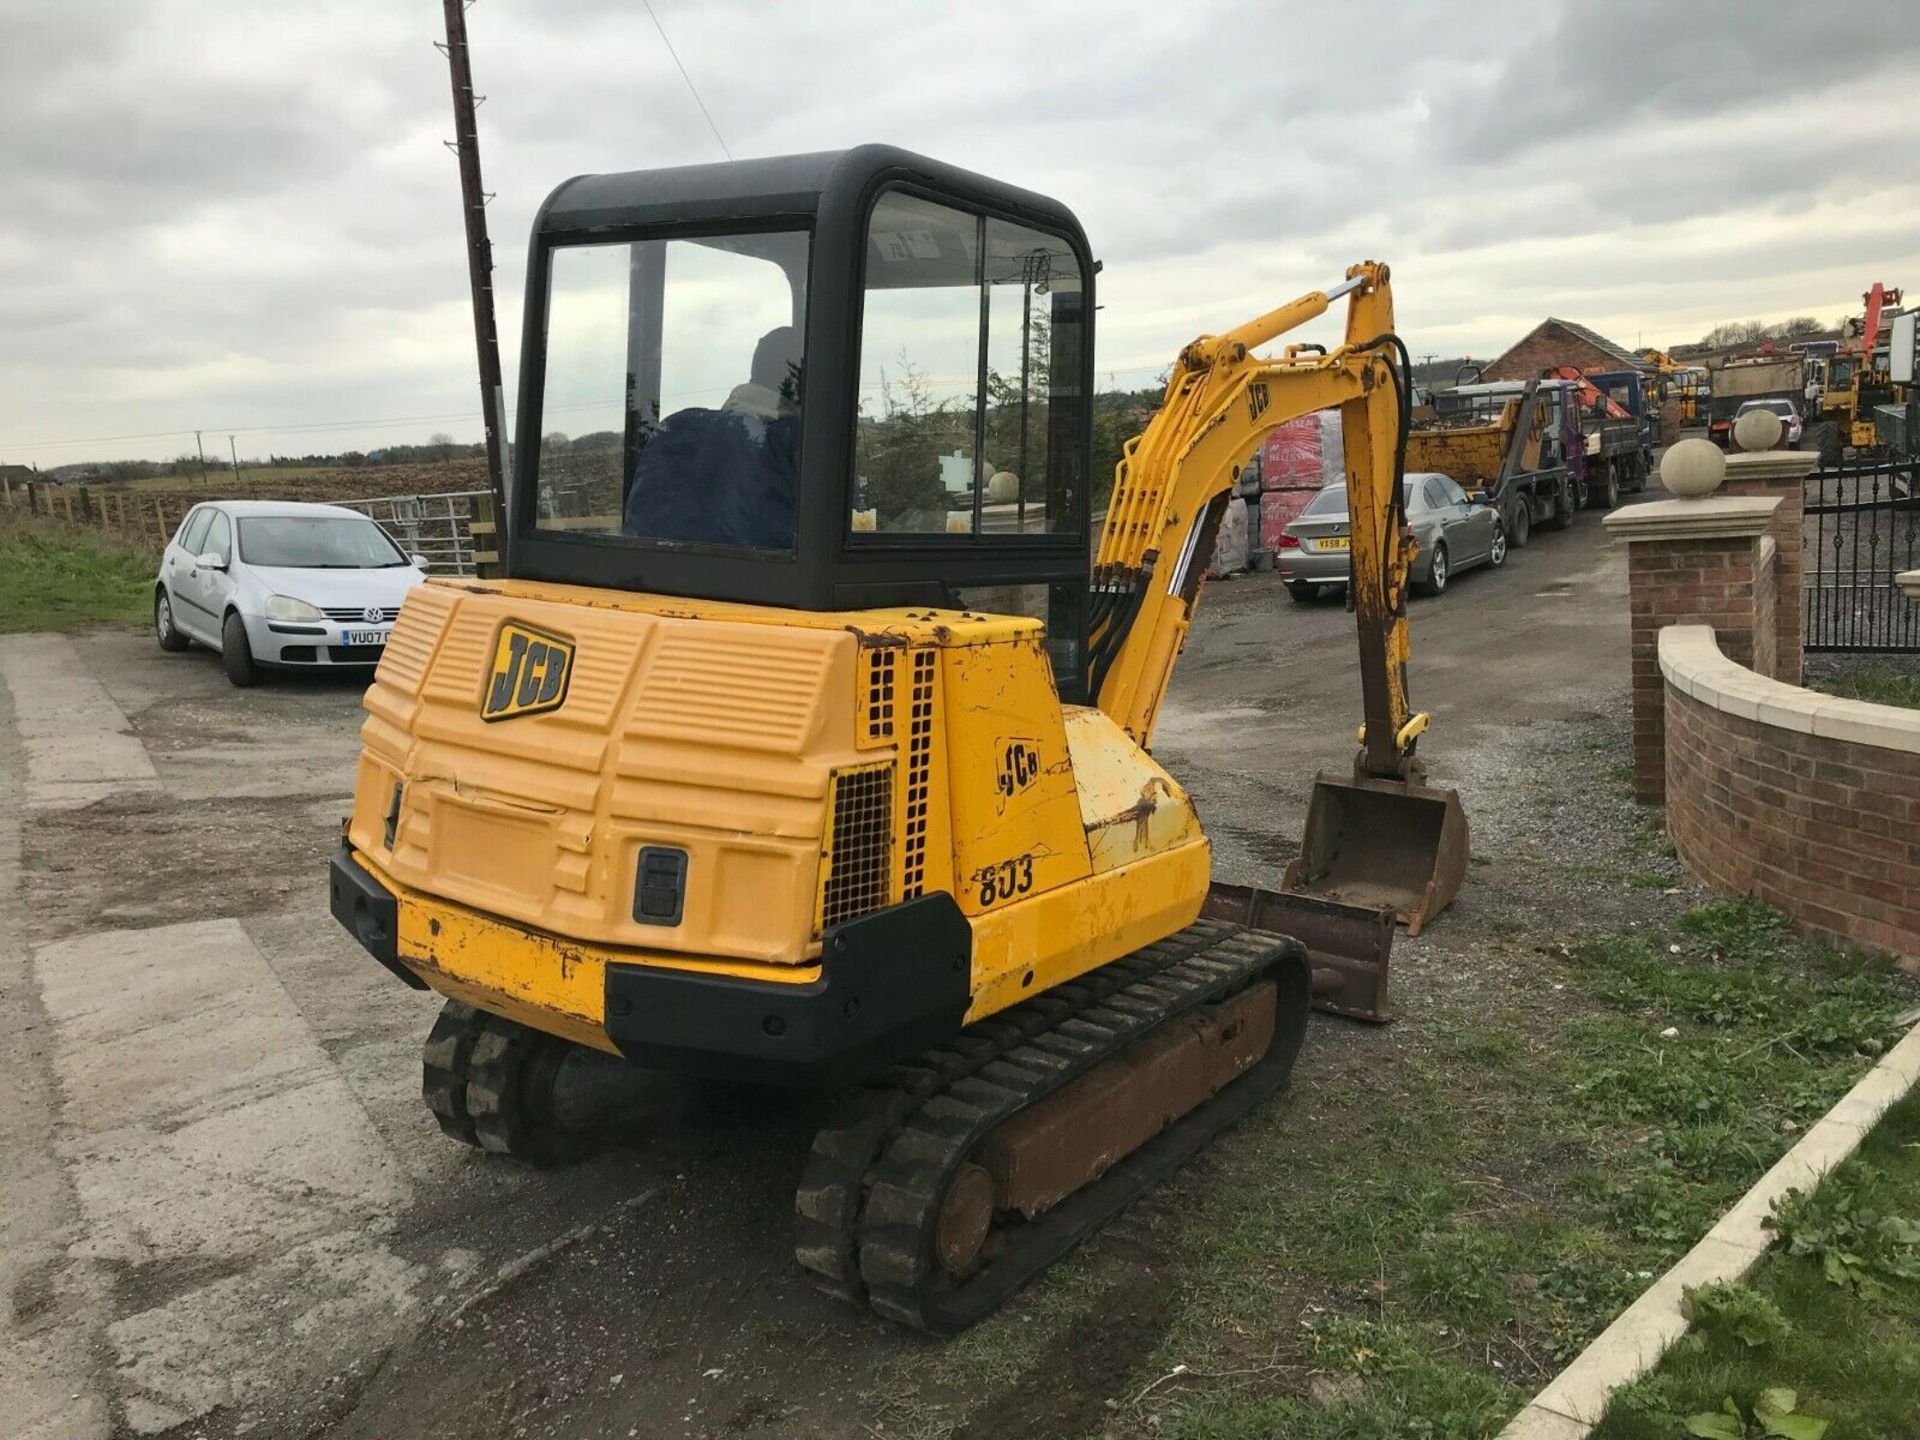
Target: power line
{"type": "Point", "coordinates": [691, 88]}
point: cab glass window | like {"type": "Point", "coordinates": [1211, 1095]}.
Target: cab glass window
{"type": "Point", "coordinates": [671, 403]}
{"type": "Point", "coordinates": [194, 531]}
{"type": "Point", "coordinates": [969, 383]}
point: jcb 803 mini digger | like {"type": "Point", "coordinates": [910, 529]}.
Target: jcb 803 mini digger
{"type": "Point", "coordinates": [805, 741]}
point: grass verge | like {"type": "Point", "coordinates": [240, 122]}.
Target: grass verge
{"type": "Point", "coordinates": [67, 577]}
{"type": "Point", "coordinates": [1832, 1315]}
{"type": "Point", "coordinates": [1881, 681]}
{"type": "Point", "coordinates": [1420, 1270]}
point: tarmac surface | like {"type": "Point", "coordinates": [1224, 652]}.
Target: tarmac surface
{"type": "Point", "coordinates": [226, 1210]}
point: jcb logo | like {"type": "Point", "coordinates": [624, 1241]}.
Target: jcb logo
{"type": "Point", "coordinates": [1019, 766]}
{"type": "Point", "coordinates": [530, 673]}
{"type": "Point", "coordinates": [1256, 400]}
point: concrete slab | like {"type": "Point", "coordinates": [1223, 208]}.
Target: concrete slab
{"type": "Point", "coordinates": [79, 747]}
{"type": "Point", "coordinates": [50, 1385]}
{"type": "Point", "coordinates": [227, 1173]}
{"type": "Point", "coordinates": [317, 1306]}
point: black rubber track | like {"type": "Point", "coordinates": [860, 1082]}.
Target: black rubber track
{"type": "Point", "coordinates": [512, 1070]}
{"type": "Point", "coordinates": [443, 1068]}
{"type": "Point", "coordinates": [870, 1198]}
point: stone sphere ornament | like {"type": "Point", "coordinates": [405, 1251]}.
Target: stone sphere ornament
{"type": "Point", "coordinates": [1694, 468]}
{"type": "Point", "coordinates": [1757, 430]}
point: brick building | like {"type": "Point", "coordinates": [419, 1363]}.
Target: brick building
{"type": "Point", "coordinates": [1553, 343]}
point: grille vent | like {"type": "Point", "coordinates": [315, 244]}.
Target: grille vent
{"type": "Point", "coordinates": [860, 843]}
{"type": "Point", "coordinates": [881, 667]}
{"type": "Point", "coordinates": [919, 766]}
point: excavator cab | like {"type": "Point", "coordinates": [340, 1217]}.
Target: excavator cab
{"type": "Point", "coordinates": [824, 382]}
{"type": "Point", "coordinates": [804, 741]}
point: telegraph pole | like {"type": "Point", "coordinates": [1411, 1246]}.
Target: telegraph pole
{"type": "Point", "coordinates": [233, 451]}
{"type": "Point", "coordinates": [203, 456]}
{"type": "Point", "coordinates": [473, 201]}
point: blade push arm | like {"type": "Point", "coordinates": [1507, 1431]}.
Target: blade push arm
{"type": "Point", "coordinates": [1174, 482]}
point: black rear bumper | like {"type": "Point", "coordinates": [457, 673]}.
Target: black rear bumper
{"type": "Point", "coordinates": [891, 984]}
{"type": "Point", "coordinates": [369, 911]}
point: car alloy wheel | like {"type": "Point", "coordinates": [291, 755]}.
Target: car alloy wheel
{"type": "Point", "coordinates": [164, 630]}
{"type": "Point", "coordinates": [1497, 551]}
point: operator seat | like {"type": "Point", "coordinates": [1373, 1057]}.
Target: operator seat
{"type": "Point", "coordinates": [727, 476]}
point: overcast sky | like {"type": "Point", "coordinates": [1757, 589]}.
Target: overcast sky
{"type": "Point", "coordinates": [238, 214]}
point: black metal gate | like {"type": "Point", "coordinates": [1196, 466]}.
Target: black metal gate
{"type": "Point", "coordinates": [1862, 529]}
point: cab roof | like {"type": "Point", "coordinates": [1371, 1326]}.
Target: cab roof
{"type": "Point", "coordinates": [765, 188]}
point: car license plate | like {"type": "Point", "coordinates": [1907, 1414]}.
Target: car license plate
{"type": "Point", "coordinates": [364, 637]}
{"type": "Point", "coordinates": [1333, 542]}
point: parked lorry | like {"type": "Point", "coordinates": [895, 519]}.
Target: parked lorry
{"type": "Point", "coordinates": [1627, 456]}
{"type": "Point", "coordinates": [1515, 445]}
{"type": "Point", "coordinates": [1618, 431]}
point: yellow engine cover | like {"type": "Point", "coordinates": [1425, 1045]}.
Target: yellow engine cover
{"type": "Point", "coordinates": [523, 744]}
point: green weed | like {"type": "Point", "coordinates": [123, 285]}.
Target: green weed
{"type": "Point", "coordinates": [1881, 681]}
{"type": "Point", "coordinates": [1734, 1310]}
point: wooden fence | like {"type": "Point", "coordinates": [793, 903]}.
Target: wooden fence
{"type": "Point", "coordinates": [453, 531]}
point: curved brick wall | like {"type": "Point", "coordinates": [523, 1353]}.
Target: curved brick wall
{"type": "Point", "coordinates": [1809, 802]}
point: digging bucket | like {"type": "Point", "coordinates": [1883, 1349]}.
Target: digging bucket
{"type": "Point", "coordinates": [1373, 843]}
{"type": "Point", "coordinates": [1347, 945]}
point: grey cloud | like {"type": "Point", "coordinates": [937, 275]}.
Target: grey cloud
{"type": "Point", "coordinates": [1593, 67]}
{"type": "Point", "coordinates": [240, 214]}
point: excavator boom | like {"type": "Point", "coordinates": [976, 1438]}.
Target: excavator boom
{"type": "Point", "coordinates": [1381, 838]}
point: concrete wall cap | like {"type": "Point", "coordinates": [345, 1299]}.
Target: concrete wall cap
{"type": "Point", "coordinates": [1772, 465]}
{"type": "Point", "coordinates": [1693, 663]}
{"type": "Point", "coordinates": [1731, 517]}
{"type": "Point", "coordinates": [1909, 581]}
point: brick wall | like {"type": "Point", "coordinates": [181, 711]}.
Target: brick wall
{"type": "Point", "coordinates": [1696, 581]}
{"type": "Point", "coordinates": [1825, 829]}
{"type": "Point", "coordinates": [1782, 476]}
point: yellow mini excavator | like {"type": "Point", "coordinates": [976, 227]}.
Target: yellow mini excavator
{"type": "Point", "coordinates": [805, 741]}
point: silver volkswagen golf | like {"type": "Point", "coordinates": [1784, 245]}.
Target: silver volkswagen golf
{"type": "Point", "coordinates": [281, 584]}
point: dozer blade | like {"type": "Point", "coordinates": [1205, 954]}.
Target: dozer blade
{"type": "Point", "coordinates": [1347, 945]}
{"type": "Point", "coordinates": [1382, 842]}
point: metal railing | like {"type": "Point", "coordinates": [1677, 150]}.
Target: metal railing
{"type": "Point", "coordinates": [1862, 529]}
{"type": "Point", "coordinates": [439, 528]}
